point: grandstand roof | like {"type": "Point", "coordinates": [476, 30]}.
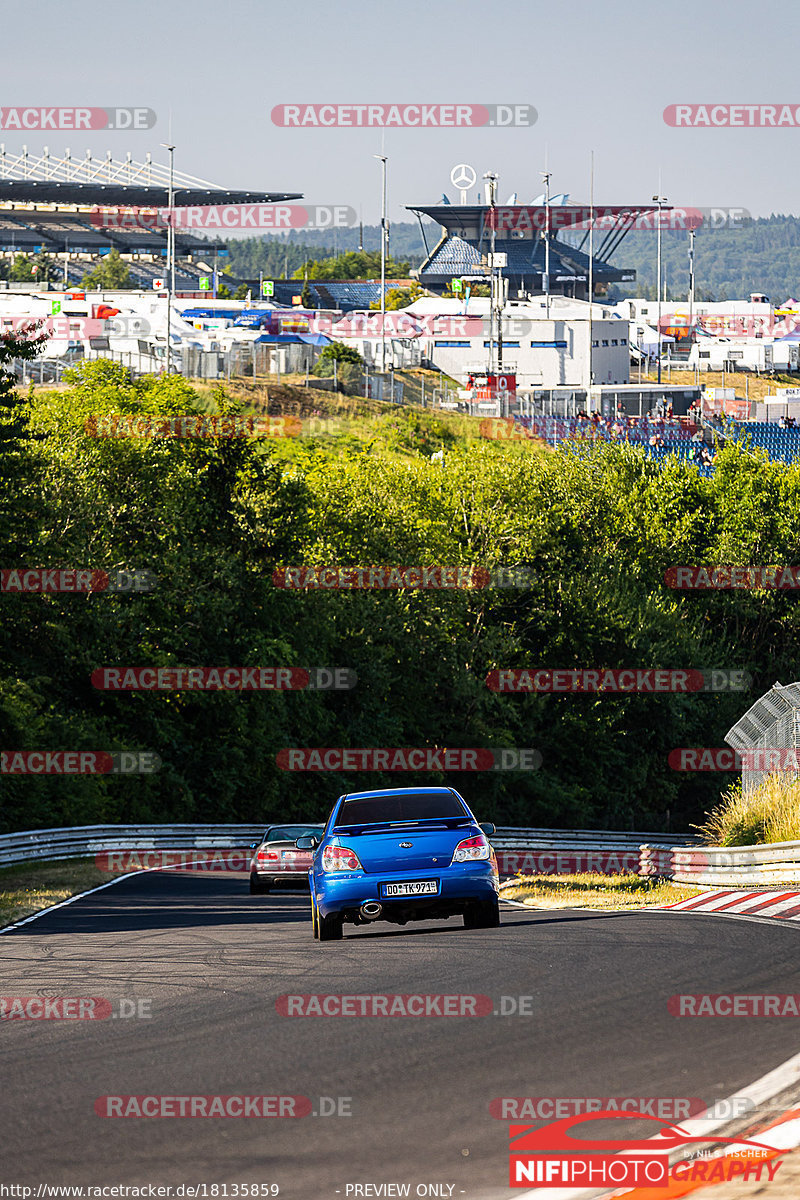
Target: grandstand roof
{"type": "Point", "coordinates": [25, 191]}
{"type": "Point", "coordinates": [61, 179]}
{"type": "Point", "coordinates": [471, 231]}
{"type": "Point", "coordinates": [527, 219]}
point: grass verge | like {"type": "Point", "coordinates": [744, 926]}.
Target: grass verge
{"type": "Point", "coordinates": [29, 887]}
{"type": "Point", "coordinates": [593, 890]}
{"type": "Point", "coordinates": [770, 813]}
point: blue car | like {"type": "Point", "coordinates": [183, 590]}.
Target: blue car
{"type": "Point", "coordinates": [406, 854]}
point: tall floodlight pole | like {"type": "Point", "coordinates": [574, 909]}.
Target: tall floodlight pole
{"type": "Point", "coordinates": [546, 177]}
{"type": "Point", "coordinates": [591, 270]}
{"type": "Point", "coordinates": [492, 182]}
{"type": "Point", "coordinates": [382, 158]}
{"type": "Point", "coordinates": [660, 201]}
{"type": "Point", "coordinates": [170, 253]}
{"type": "Point", "coordinates": [692, 232]}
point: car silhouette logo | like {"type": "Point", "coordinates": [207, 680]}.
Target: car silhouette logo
{"type": "Point", "coordinates": [406, 845]}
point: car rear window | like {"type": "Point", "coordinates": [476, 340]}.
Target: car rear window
{"type": "Point", "coordinates": [404, 806]}
{"type": "Point", "coordinates": [289, 833]}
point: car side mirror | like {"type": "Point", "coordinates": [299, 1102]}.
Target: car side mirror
{"type": "Point", "coordinates": [488, 828]}
{"type": "Point", "coordinates": [306, 843]}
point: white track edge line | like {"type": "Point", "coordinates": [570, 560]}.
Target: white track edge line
{"type": "Point", "coordinates": [80, 895]}
{"type": "Point", "coordinates": [761, 1090]}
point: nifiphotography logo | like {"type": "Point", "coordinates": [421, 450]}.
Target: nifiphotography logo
{"type": "Point", "coordinates": [553, 1157]}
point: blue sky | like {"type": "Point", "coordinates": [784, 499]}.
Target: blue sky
{"type": "Point", "coordinates": [598, 72]}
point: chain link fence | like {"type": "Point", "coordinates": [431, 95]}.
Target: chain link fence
{"type": "Point", "coordinates": [773, 723]}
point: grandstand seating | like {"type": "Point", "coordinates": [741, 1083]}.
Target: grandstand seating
{"type": "Point", "coordinates": [781, 444]}
{"type": "Point", "coordinates": [677, 437]}
{"type": "Point", "coordinates": [343, 296]}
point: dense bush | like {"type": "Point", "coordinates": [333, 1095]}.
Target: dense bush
{"type": "Point", "coordinates": [213, 518]}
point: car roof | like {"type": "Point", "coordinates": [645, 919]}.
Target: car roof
{"type": "Point", "coordinates": [292, 824]}
{"type": "Point", "coordinates": [428, 791]}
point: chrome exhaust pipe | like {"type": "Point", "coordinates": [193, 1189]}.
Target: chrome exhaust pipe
{"type": "Point", "coordinates": [370, 910]}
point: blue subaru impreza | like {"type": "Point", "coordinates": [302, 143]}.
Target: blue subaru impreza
{"type": "Point", "coordinates": [406, 854]}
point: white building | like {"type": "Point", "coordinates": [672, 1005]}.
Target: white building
{"type": "Point", "coordinates": [543, 351]}
{"type": "Point", "coordinates": [743, 354]}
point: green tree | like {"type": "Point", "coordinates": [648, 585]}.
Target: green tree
{"type": "Point", "coordinates": [110, 274]}
{"type": "Point", "coordinates": [44, 269]}
{"type": "Point", "coordinates": [224, 292]}
{"type": "Point", "coordinates": [306, 299]}
{"type": "Point", "coordinates": [21, 271]}
{"type": "Point", "coordinates": [397, 298]}
{"type": "Point", "coordinates": [241, 292]}
{"type": "Point", "coordinates": [353, 265]}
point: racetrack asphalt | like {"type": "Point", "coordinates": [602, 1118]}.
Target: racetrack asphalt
{"type": "Point", "coordinates": [212, 960]}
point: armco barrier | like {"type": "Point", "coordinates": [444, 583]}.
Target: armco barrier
{"type": "Point", "coordinates": [546, 851]}
{"type": "Point", "coordinates": [568, 852]}
{"type": "Point", "coordinates": [775, 862]}
{"type": "Point", "coordinates": [85, 841]}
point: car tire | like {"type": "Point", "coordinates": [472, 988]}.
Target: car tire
{"type": "Point", "coordinates": [257, 888]}
{"type": "Point", "coordinates": [484, 914]}
{"type": "Point", "coordinates": [330, 928]}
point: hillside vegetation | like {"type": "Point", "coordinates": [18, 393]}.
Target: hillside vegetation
{"type": "Point", "coordinates": [212, 519]}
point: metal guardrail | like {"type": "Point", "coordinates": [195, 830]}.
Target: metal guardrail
{"type": "Point", "coordinates": [87, 840]}
{"type": "Point", "coordinates": [773, 863]}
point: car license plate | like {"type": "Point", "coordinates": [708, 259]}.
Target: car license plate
{"type": "Point", "coordinates": [415, 887]}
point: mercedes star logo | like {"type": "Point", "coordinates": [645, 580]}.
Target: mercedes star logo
{"type": "Point", "coordinates": [463, 176]}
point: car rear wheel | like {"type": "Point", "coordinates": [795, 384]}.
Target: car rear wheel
{"type": "Point", "coordinates": [484, 914]}
{"type": "Point", "coordinates": [257, 886]}
{"type": "Point", "coordinates": [330, 928]}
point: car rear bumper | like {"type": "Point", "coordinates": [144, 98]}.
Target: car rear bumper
{"type": "Point", "coordinates": [297, 878]}
{"type": "Point", "coordinates": [343, 893]}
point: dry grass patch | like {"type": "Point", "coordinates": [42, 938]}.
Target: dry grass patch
{"type": "Point", "coordinates": [770, 813]}
{"type": "Point", "coordinates": [590, 889]}
{"type": "Point", "coordinates": [27, 888]}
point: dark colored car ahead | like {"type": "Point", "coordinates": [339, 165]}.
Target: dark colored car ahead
{"type": "Point", "coordinates": [406, 854]}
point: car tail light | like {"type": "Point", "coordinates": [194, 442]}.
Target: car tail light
{"type": "Point", "coordinates": [340, 858]}
{"type": "Point", "coordinates": [267, 855]}
{"type": "Point", "coordinates": [472, 849]}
